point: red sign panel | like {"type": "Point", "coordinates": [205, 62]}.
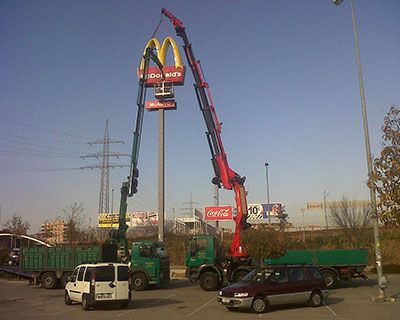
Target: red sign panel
{"type": "Point", "coordinates": [218, 213]}
{"type": "Point", "coordinates": [172, 74]}
{"type": "Point", "coordinates": [160, 104]}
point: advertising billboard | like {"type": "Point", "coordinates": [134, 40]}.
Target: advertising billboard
{"type": "Point", "coordinates": [110, 220]}
{"type": "Point", "coordinates": [260, 210]}
{"type": "Point", "coordinates": [143, 219]}
{"type": "Point", "coordinates": [218, 213]}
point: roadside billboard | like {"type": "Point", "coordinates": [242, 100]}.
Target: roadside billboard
{"type": "Point", "coordinates": [218, 213]}
{"type": "Point", "coordinates": [110, 220]}
{"type": "Point", "coordinates": [143, 219]}
{"type": "Point", "coordinates": [260, 210]}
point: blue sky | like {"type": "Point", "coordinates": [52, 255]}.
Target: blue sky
{"type": "Point", "coordinates": [283, 76]}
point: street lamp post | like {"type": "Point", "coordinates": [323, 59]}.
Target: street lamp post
{"type": "Point", "coordinates": [382, 281]}
{"type": "Point", "coordinates": [266, 177]}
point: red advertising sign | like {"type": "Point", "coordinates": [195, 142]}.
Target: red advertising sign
{"type": "Point", "coordinates": [172, 74]}
{"type": "Point", "coordinates": [160, 104]}
{"type": "Point", "coordinates": [218, 213]}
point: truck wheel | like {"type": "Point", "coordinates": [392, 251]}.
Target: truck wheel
{"type": "Point", "coordinates": [259, 304]}
{"type": "Point", "coordinates": [209, 281]}
{"type": "Point", "coordinates": [330, 278]}
{"type": "Point", "coordinates": [67, 299]}
{"type": "Point", "coordinates": [239, 275]}
{"type": "Point", "coordinates": [86, 305]}
{"type": "Point", "coordinates": [49, 280]}
{"type": "Point", "coordinates": [64, 279]}
{"type": "Point", "coordinates": [139, 282]}
{"type": "Point", "coordinates": [315, 299]}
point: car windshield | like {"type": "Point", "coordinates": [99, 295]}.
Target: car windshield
{"type": "Point", "coordinates": [257, 275]}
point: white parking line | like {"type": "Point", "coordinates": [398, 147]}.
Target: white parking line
{"type": "Point", "coordinates": [145, 305]}
{"type": "Point", "coordinates": [198, 309]}
{"type": "Point", "coordinates": [333, 312]}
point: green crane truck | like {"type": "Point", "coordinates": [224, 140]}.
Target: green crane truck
{"type": "Point", "coordinates": [205, 261]}
{"type": "Point", "coordinates": [149, 265]}
{"type": "Point", "coordinates": [335, 265]}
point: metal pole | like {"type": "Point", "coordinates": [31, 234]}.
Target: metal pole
{"type": "Point", "coordinates": [161, 174]}
{"type": "Point", "coordinates": [304, 226]}
{"type": "Point", "coordinates": [112, 201]}
{"type": "Point", "coordinates": [382, 281]}
{"type": "Point", "coordinates": [268, 204]}
{"type": "Point", "coordinates": [326, 216]}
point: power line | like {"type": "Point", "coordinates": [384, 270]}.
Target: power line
{"type": "Point", "coordinates": [44, 129]}
{"type": "Point", "coordinates": [105, 167]}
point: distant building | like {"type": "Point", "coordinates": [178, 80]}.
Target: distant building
{"type": "Point", "coordinates": [54, 232]}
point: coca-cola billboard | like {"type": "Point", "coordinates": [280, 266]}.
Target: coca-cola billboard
{"type": "Point", "coordinates": [217, 213]}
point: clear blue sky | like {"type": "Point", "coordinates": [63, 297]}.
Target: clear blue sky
{"type": "Point", "coordinates": [283, 77]}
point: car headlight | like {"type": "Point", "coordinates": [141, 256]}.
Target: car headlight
{"type": "Point", "coordinates": [240, 294]}
{"type": "Point", "coordinates": [220, 293]}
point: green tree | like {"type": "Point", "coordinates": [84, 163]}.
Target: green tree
{"type": "Point", "coordinates": [386, 176]}
{"type": "Point", "coordinates": [16, 225]}
{"type": "Point", "coordinates": [263, 241]}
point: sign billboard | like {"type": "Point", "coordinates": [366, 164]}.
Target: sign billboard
{"type": "Point", "coordinates": [315, 205]}
{"type": "Point", "coordinates": [160, 104]}
{"type": "Point", "coordinates": [260, 210]}
{"type": "Point", "coordinates": [143, 219]}
{"type": "Point", "coordinates": [110, 220]}
{"type": "Point", "coordinates": [218, 213]}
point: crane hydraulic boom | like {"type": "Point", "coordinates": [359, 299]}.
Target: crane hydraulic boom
{"type": "Point", "coordinates": [224, 175]}
{"type": "Point", "coordinates": [129, 187]}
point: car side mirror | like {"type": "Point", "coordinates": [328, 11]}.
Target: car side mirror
{"type": "Point", "coordinates": [72, 278]}
{"type": "Point", "coordinates": [112, 285]}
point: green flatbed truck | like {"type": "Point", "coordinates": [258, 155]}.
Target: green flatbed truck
{"type": "Point", "coordinates": [52, 266]}
{"type": "Point", "coordinates": [335, 265]}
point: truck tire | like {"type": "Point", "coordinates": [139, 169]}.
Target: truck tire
{"type": "Point", "coordinates": [139, 282]}
{"type": "Point", "coordinates": [209, 281]}
{"type": "Point", "coordinates": [64, 279]}
{"type": "Point", "coordinates": [330, 278]}
{"type": "Point", "coordinates": [49, 280]}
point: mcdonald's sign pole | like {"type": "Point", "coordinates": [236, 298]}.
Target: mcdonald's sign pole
{"type": "Point", "coordinates": [161, 174]}
{"type": "Point", "coordinates": [162, 78]}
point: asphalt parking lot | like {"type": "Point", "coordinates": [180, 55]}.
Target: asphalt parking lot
{"type": "Point", "coordinates": [185, 300]}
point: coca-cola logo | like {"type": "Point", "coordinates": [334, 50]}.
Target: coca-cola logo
{"type": "Point", "coordinates": [218, 213]}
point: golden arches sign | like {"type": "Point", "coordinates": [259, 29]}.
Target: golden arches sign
{"type": "Point", "coordinates": [172, 74]}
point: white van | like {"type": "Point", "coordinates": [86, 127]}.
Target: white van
{"type": "Point", "coordinates": [98, 283]}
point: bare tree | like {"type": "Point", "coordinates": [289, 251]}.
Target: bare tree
{"type": "Point", "coordinates": [353, 217]}
{"type": "Point", "coordinates": [16, 225]}
{"type": "Point", "coordinates": [76, 220]}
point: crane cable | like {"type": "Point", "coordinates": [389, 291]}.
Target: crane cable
{"type": "Point", "coordinates": [158, 25]}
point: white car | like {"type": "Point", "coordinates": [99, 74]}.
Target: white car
{"type": "Point", "coordinates": [99, 283]}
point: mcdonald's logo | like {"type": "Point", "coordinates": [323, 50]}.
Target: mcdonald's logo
{"type": "Point", "coordinates": [172, 74]}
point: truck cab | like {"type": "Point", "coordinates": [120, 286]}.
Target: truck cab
{"type": "Point", "coordinates": [149, 265]}
{"type": "Point", "coordinates": [205, 261]}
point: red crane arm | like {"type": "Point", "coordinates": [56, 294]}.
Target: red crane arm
{"type": "Point", "coordinates": [224, 175]}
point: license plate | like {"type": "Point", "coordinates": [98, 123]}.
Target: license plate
{"type": "Point", "coordinates": [101, 296]}
{"type": "Point", "coordinates": [225, 300]}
